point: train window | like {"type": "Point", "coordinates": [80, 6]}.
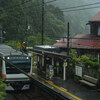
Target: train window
{"type": "Point", "coordinates": [0, 65]}
{"type": "Point", "coordinates": [23, 66]}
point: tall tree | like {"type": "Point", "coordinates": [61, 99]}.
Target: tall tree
{"type": "Point", "coordinates": [13, 20]}
{"type": "Point", "coordinates": [16, 16]}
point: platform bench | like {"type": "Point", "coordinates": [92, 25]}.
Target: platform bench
{"type": "Point", "coordinates": [90, 81]}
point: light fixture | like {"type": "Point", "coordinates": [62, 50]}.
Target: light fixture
{"type": "Point", "coordinates": [8, 57]}
{"type": "Point", "coordinates": [27, 58]}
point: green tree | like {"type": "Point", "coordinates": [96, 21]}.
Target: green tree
{"type": "Point", "coordinates": [36, 40]}
{"type": "Point", "coordinates": [13, 19]}
{"type": "Point", "coordinates": [16, 16]}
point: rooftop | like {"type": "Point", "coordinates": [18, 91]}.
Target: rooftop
{"type": "Point", "coordinates": [96, 18]}
{"type": "Point", "coordinates": [7, 50]}
{"type": "Point", "coordinates": [80, 41]}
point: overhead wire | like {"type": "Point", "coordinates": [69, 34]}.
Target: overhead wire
{"type": "Point", "coordinates": [82, 9]}
{"type": "Point", "coordinates": [40, 5]}
{"type": "Point", "coordinates": [81, 6]}
{"type": "Point", "coordinates": [28, 6]}
{"type": "Point", "coordinates": [67, 7]}
{"type": "Point", "coordinates": [62, 8]}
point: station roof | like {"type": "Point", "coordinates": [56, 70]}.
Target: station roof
{"type": "Point", "coordinates": [46, 48]}
{"type": "Point", "coordinates": [80, 41]}
{"type": "Point", "coordinates": [49, 50]}
{"type": "Point", "coordinates": [41, 52]}
{"type": "Point", "coordinates": [7, 50]}
{"type": "Point", "coordinates": [96, 18]}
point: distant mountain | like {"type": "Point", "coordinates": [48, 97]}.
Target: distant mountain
{"type": "Point", "coordinates": [78, 19]}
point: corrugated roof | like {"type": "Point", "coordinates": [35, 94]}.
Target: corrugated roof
{"type": "Point", "coordinates": [81, 41]}
{"type": "Point", "coordinates": [61, 43]}
{"type": "Point", "coordinates": [96, 17]}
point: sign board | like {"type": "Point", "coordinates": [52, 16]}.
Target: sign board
{"type": "Point", "coordinates": [78, 71]}
{"type": "Point", "coordinates": [65, 64]}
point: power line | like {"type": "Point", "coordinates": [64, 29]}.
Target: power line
{"type": "Point", "coordinates": [40, 5]}
{"type": "Point", "coordinates": [28, 6]}
{"type": "Point", "coordinates": [18, 5]}
{"type": "Point", "coordinates": [81, 9]}
{"type": "Point", "coordinates": [50, 1]}
{"type": "Point", "coordinates": [81, 6]}
{"type": "Point", "coordinates": [78, 9]}
{"type": "Point", "coordinates": [62, 8]}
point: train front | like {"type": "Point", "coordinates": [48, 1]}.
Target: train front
{"type": "Point", "coordinates": [17, 80]}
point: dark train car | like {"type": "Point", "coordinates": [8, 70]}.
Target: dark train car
{"type": "Point", "coordinates": [17, 80]}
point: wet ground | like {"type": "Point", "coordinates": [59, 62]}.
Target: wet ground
{"type": "Point", "coordinates": [77, 89]}
{"type": "Point", "coordinates": [82, 91]}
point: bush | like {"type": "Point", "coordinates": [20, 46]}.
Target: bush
{"type": "Point", "coordinates": [88, 62]}
{"type": "Point", "coordinates": [2, 90]}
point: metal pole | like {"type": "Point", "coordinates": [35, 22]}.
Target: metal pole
{"type": "Point", "coordinates": [98, 58]}
{"type": "Point", "coordinates": [64, 73]}
{"type": "Point", "coordinates": [1, 35]}
{"type": "Point", "coordinates": [68, 46]}
{"type": "Point", "coordinates": [42, 22]}
{"type": "Point", "coordinates": [68, 40]}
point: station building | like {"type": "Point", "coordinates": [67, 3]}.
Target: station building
{"type": "Point", "coordinates": [84, 43]}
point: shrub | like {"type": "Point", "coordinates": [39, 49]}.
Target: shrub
{"type": "Point", "coordinates": [2, 90]}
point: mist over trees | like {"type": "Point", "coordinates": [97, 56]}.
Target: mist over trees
{"type": "Point", "coordinates": [21, 20]}
{"type": "Point", "coordinates": [77, 19]}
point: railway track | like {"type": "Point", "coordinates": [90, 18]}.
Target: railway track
{"type": "Point", "coordinates": [27, 95]}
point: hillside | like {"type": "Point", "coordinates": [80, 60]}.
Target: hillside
{"type": "Point", "coordinates": [78, 19]}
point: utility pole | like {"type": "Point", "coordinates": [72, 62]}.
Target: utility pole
{"type": "Point", "coordinates": [68, 40]}
{"type": "Point", "coordinates": [42, 22]}
{"type": "Point", "coordinates": [68, 46]}
{"type": "Point", "coordinates": [66, 64]}
{"type": "Point", "coordinates": [1, 35]}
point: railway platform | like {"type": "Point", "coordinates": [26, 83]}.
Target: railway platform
{"type": "Point", "coordinates": [69, 88]}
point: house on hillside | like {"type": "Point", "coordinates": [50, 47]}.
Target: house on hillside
{"type": "Point", "coordinates": [84, 43]}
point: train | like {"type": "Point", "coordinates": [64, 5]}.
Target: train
{"type": "Point", "coordinates": [13, 77]}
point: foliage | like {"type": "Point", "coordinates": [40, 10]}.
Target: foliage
{"type": "Point", "coordinates": [54, 22]}
{"type": "Point", "coordinates": [32, 41]}
{"type": "Point", "coordinates": [2, 90]}
{"type": "Point", "coordinates": [36, 40]}
{"type": "Point", "coordinates": [75, 59]}
{"type": "Point", "coordinates": [15, 21]}
{"type": "Point", "coordinates": [76, 78]}
{"type": "Point", "coordinates": [86, 61]}
{"type": "Point", "coordinates": [12, 43]}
